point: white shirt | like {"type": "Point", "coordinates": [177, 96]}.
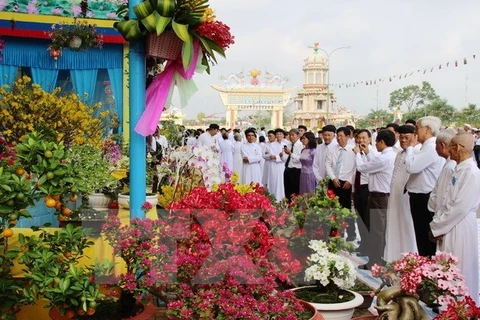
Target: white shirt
{"type": "Point", "coordinates": [319, 160]}
{"type": "Point", "coordinates": [439, 193]}
{"type": "Point", "coordinates": [424, 167]}
{"type": "Point", "coordinates": [379, 169]}
{"type": "Point", "coordinates": [295, 155]}
{"type": "Point", "coordinates": [396, 147]}
{"type": "Point", "coordinates": [162, 140]}
{"type": "Point", "coordinates": [206, 139]}
{"type": "Point", "coordinates": [347, 170]}
{"type": "Point", "coordinates": [372, 152]}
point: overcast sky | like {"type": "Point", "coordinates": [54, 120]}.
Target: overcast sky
{"type": "Point", "coordinates": [386, 38]}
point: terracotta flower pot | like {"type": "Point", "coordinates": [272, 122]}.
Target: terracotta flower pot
{"type": "Point", "coordinates": [316, 314]}
{"type": "Point", "coordinates": [147, 313]}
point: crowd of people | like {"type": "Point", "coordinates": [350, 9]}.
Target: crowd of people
{"type": "Point", "coordinates": [414, 186]}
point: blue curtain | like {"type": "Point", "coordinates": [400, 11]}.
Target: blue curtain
{"type": "Point", "coordinates": [46, 78]}
{"type": "Point", "coordinates": [84, 82]}
{"type": "Point", "coordinates": [34, 53]}
{"type": "Point", "coordinates": [116, 80]}
{"type": "Point", "coordinates": [7, 74]}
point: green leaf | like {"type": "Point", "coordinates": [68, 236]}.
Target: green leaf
{"type": "Point", "coordinates": [42, 180]}
{"type": "Point", "coordinates": [162, 23]}
{"type": "Point", "coordinates": [187, 54]}
{"type": "Point", "coordinates": [7, 188]}
{"type": "Point", "coordinates": [166, 8]}
{"type": "Point", "coordinates": [181, 30]}
{"type": "Point", "coordinates": [215, 47]}
{"type": "Point", "coordinates": [21, 239]}
{"type": "Point", "coordinates": [143, 10]}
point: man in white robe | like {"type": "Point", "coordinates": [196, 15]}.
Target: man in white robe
{"type": "Point", "coordinates": [210, 138]}
{"type": "Point", "coordinates": [251, 155]}
{"type": "Point", "coordinates": [277, 167]}
{"type": "Point", "coordinates": [266, 157]}
{"type": "Point", "coordinates": [439, 193]}
{"type": "Point", "coordinates": [454, 226]}
{"type": "Point", "coordinates": [226, 158]}
{"type": "Point", "coordinates": [400, 234]}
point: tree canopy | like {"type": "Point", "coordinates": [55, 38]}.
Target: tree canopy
{"type": "Point", "coordinates": [412, 96]}
{"type": "Point", "coordinates": [437, 108]}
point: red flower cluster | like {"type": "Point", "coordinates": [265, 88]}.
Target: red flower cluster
{"type": "Point", "coordinates": [6, 151]}
{"type": "Point", "coordinates": [218, 32]}
{"type": "Point", "coordinates": [215, 245]}
{"type": "Point", "coordinates": [460, 310]}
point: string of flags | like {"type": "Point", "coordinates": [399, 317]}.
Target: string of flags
{"type": "Point", "coordinates": [455, 63]}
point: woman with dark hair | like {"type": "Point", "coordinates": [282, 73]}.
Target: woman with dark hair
{"type": "Point", "coordinates": [308, 182]}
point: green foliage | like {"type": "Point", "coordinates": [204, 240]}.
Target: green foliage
{"type": "Point", "coordinates": [375, 119]}
{"type": "Point", "coordinates": [47, 162]}
{"type": "Point", "coordinates": [262, 119]}
{"type": "Point", "coordinates": [320, 216]}
{"type": "Point", "coordinates": [92, 170]}
{"type": "Point", "coordinates": [51, 263]}
{"type": "Point", "coordinates": [171, 131]}
{"type": "Point", "coordinates": [437, 108]}
{"type": "Point", "coordinates": [412, 96]}
{"type": "Point", "coordinates": [11, 297]}
{"type": "Point", "coordinates": [470, 115]}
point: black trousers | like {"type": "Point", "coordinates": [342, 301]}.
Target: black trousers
{"type": "Point", "coordinates": [360, 201]}
{"type": "Point", "coordinates": [421, 222]}
{"type": "Point", "coordinates": [345, 199]}
{"type": "Point", "coordinates": [291, 182]}
{"type": "Point", "coordinates": [377, 211]}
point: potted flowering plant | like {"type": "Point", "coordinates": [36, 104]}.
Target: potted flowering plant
{"type": "Point", "coordinates": [413, 277]}
{"type": "Point", "coordinates": [78, 35]}
{"type": "Point", "coordinates": [333, 274]}
{"type": "Point", "coordinates": [52, 266]}
{"type": "Point", "coordinates": [318, 216]}
{"type": "Point", "coordinates": [15, 190]}
{"type": "Point", "coordinates": [211, 257]}
{"type": "Point", "coordinates": [460, 310]}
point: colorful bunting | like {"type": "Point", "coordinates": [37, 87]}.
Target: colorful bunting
{"type": "Point", "coordinates": [399, 76]}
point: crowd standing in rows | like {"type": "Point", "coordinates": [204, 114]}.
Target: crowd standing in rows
{"type": "Point", "coordinates": [414, 187]}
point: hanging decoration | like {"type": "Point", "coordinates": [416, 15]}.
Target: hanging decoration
{"type": "Point", "coordinates": [159, 93]}
{"type": "Point", "coordinates": [402, 75]}
{"type": "Point", "coordinates": [55, 54]}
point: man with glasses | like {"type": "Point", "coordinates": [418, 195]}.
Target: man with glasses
{"type": "Point", "coordinates": [424, 168]}
{"type": "Point", "coordinates": [454, 226]}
